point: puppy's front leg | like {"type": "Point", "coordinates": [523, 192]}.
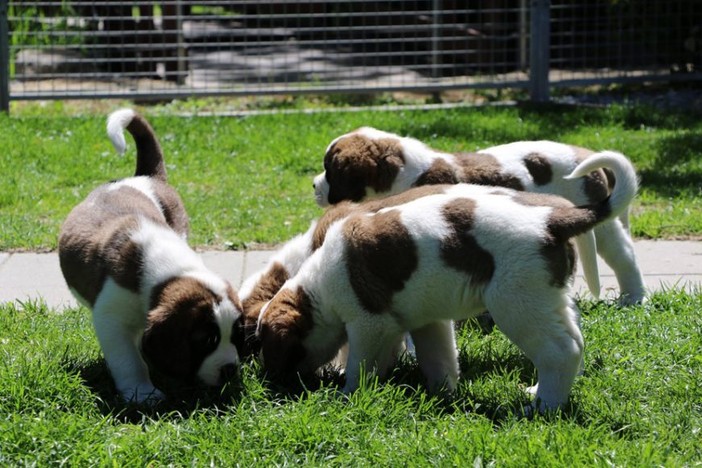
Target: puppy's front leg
{"type": "Point", "coordinates": [119, 343]}
{"type": "Point", "coordinates": [437, 355]}
{"type": "Point", "coordinates": [372, 349]}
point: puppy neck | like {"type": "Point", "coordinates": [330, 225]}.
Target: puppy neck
{"type": "Point", "coordinates": [418, 159]}
{"type": "Point", "coordinates": [165, 255]}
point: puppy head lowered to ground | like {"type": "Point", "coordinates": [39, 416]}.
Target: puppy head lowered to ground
{"type": "Point", "coordinates": [444, 256]}
{"type": "Point", "coordinates": [123, 253]}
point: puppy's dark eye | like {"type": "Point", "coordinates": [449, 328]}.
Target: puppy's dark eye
{"type": "Point", "coordinates": [206, 338]}
{"type": "Point", "coordinates": [238, 333]}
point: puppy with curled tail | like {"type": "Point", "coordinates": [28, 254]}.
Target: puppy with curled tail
{"type": "Point", "coordinates": [155, 305]}
{"type": "Point", "coordinates": [368, 163]}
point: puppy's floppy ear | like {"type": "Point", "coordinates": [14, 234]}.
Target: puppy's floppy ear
{"type": "Point", "coordinates": [282, 350]}
{"type": "Point", "coordinates": [388, 164]}
{"type": "Point", "coordinates": [164, 342]}
{"type": "Point", "coordinates": [180, 328]}
{"type": "Point", "coordinates": [284, 324]}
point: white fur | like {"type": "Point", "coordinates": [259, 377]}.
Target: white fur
{"type": "Point", "coordinates": [165, 255]}
{"type": "Point", "coordinates": [119, 335]}
{"type": "Point", "coordinates": [536, 314]}
{"type": "Point", "coordinates": [563, 159]}
{"type": "Point", "coordinates": [116, 123]}
{"type": "Point", "coordinates": [120, 315]}
{"type": "Point", "coordinates": [140, 183]}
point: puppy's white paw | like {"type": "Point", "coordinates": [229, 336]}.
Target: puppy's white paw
{"type": "Point", "coordinates": [632, 299]}
{"type": "Point", "coordinates": [532, 390]}
{"type": "Point", "coordinates": [144, 393]}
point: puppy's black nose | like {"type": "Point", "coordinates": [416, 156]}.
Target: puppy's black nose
{"type": "Point", "coordinates": [228, 372]}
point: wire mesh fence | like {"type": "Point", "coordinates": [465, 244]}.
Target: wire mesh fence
{"type": "Point", "coordinates": [174, 48]}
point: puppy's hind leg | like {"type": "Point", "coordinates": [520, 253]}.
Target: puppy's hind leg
{"type": "Point", "coordinates": [550, 337]}
{"type": "Point", "coordinates": [615, 246]}
{"type": "Point", "coordinates": [437, 355]}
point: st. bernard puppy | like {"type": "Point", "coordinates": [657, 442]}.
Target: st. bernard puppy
{"type": "Point", "coordinates": [451, 253]}
{"type": "Point", "coordinates": [369, 163]}
{"type": "Point", "coordinates": [260, 287]}
{"type": "Point", "coordinates": [123, 253]}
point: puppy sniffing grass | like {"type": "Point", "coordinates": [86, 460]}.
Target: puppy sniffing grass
{"type": "Point", "coordinates": [446, 255]}
{"type": "Point", "coordinates": [123, 254]}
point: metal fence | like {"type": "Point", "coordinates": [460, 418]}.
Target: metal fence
{"type": "Point", "coordinates": [163, 49]}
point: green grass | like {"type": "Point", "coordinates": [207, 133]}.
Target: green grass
{"type": "Point", "coordinates": [639, 403]}
{"type": "Point", "coordinates": [248, 180]}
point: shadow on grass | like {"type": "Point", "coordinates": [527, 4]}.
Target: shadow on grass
{"type": "Point", "coordinates": [182, 398]}
{"type": "Point", "coordinates": [670, 174]}
{"type": "Point", "coordinates": [547, 121]}
{"type": "Point", "coordinates": [185, 398]}
{"type": "Point", "coordinates": [667, 174]}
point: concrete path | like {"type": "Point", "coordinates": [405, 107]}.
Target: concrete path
{"type": "Point", "coordinates": [30, 276]}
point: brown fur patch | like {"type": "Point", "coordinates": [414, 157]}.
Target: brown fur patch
{"type": "Point", "coordinates": [265, 289]}
{"type": "Point", "coordinates": [598, 184]}
{"type": "Point", "coordinates": [94, 241]}
{"type": "Point", "coordinates": [181, 328]}
{"type": "Point", "coordinates": [564, 222]}
{"type": "Point", "coordinates": [560, 261]}
{"type": "Point", "coordinates": [440, 172]}
{"type": "Point", "coordinates": [355, 162]}
{"type": "Point", "coordinates": [330, 216]}
{"type": "Point", "coordinates": [485, 169]}
{"type": "Point", "coordinates": [539, 168]}
{"type": "Point", "coordinates": [171, 206]}
{"type": "Point", "coordinates": [149, 154]}
{"type": "Point", "coordinates": [286, 322]}
{"type": "Point", "coordinates": [461, 250]}
{"type": "Point", "coordinates": [380, 257]}
{"type": "Point", "coordinates": [567, 222]}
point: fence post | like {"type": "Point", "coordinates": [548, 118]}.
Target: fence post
{"type": "Point", "coordinates": [4, 57]}
{"type": "Point", "coordinates": [539, 50]}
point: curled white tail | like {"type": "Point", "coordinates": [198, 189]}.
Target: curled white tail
{"type": "Point", "coordinates": [626, 182]}
{"type": "Point", "coordinates": [116, 123]}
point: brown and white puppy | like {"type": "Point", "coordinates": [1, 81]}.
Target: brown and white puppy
{"type": "Point", "coordinates": [369, 163]}
{"type": "Point", "coordinates": [260, 287]}
{"type": "Point", "coordinates": [123, 253]}
{"type": "Point", "coordinates": [448, 255]}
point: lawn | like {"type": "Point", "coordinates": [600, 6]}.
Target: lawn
{"type": "Point", "coordinates": [638, 403]}
{"type": "Point", "coordinates": [247, 181]}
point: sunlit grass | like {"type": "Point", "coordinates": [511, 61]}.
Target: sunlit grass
{"type": "Point", "coordinates": [638, 403]}
{"type": "Point", "coordinates": [246, 181]}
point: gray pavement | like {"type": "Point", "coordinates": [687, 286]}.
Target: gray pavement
{"type": "Point", "coordinates": [31, 276]}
